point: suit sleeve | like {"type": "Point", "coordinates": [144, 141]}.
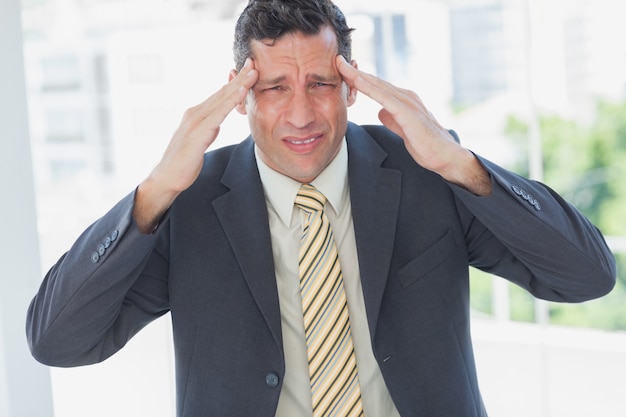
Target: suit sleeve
{"type": "Point", "coordinates": [527, 233]}
{"type": "Point", "coordinates": [108, 286]}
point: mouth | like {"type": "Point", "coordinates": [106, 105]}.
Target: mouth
{"type": "Point", "coordinates": [303, 141]}
{"type": "Point", "coordinates": [303, 145]}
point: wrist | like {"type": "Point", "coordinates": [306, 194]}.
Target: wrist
{"type": "Point", "coordinates": [152, 200]}
{"type": "Point", "coordinates": [467, 172]}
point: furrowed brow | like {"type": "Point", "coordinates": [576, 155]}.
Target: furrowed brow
{"type": "Point", "coordinates": [325, 78]}
{"type": "Point", "coordinates": [271, 81]}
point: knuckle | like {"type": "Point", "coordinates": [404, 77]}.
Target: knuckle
{"type": "Point", "coordinates": [191, 112]}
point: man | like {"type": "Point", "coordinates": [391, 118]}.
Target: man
{"type": "Point", "coordinates": [215, 239]}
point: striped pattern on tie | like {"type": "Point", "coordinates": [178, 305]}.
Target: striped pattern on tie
{"type": "Point", "coordinates": [332, 362]}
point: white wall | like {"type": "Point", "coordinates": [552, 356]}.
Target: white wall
{"type": "Point", "coordinates": [530, 370]}
{"type": "Point", "coordinates": [24, 385]}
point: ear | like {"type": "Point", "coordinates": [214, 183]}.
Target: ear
{"type": "Point", "coordinates": [241, 107]}
{"type": "Point", "coordinates": [351, 90]}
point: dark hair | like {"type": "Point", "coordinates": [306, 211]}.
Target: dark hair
{"type": "Point", "coordinates": [271, 19]}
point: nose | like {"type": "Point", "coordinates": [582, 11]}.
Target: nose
{"type": "Point", "coordinates": [300, 111]}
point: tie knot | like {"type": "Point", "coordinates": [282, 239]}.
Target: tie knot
{"type": "Point", "coordinates": [310, 199]}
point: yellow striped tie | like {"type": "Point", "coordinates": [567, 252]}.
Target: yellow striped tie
{"type": "Point", "coordinates": [332, 363]}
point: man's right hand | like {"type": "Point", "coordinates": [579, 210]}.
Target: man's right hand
{"type": "Point", "coordinates": [182, 161]}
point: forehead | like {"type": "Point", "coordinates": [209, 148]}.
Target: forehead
{"type": "Point", "coordinates": [296, 51]}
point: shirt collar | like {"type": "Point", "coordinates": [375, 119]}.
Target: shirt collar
{"type": "Point", "coordinates": [280, 190]}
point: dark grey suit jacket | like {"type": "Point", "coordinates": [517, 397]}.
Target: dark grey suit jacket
{"type": "Point", "coordinates": [210, 264]}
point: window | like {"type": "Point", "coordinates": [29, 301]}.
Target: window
{"type": "Point", "coordinates": [61, 73]}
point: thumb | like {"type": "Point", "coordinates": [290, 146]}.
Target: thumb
{"type": "Point", "coordinates": [389, 121]}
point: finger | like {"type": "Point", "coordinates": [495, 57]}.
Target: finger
{"type": "Point", "coordinates": [218, 106]}
{"type": "Point", "coordinates": [357, 78]}
{"type": "Point", "coordinates": [240, 84]}
{"type": "Point", "coordinates": [348, 72]}
{"type": "Point", "coordinates": [247, 76]}
{"type": "Point", "coordinates": [385, 93]}
{"type": "Point", "coordinates": [390, 122]}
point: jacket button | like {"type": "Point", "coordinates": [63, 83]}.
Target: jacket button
{"type": "Point", "coordinates": [95, 257]}
{"type": "Point", "coordinates": [271, 380]}
{"type": "Point", "coordinates": [537, 205]}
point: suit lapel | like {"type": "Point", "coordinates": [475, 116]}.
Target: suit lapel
{"type": "Point", "coordinates": [375, 198]}
{"type": "Point", "coordinates": [243, 214]}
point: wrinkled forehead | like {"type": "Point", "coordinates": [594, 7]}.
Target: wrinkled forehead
{"type": "Point", "coordinates": [296, 52]}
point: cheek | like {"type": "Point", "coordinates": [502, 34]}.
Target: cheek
{"type": "Point", "coordinates": [333, 106]}
{"type": "Point", "coordinates": [261, 117]}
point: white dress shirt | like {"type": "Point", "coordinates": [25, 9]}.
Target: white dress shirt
{"type": "Point", "coordinates": [286, 222]}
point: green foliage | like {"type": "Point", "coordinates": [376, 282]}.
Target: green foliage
{"type": "Point", "coordinates": [586, 164]}
{"type": "Point", "coordinates": [604, 313]}
{"type": "Point", "coordinates": [481, 289]}
{"type": "Point", "coordinates": [522, 304]}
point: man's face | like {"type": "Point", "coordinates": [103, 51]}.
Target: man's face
{"type": "Point", "coordinates": [297, 110]}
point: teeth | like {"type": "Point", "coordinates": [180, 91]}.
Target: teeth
{"type": "Point", "coordinates": [303, 142]}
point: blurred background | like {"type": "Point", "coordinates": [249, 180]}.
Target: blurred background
{"type": "Point", "coordinates": [94, 90]}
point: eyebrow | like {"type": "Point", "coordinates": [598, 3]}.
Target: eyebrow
{"type": "Point", "coordinates": [314, 77]}
{"type": "Point", "coordinates": [272, 81]}
{"type": "Point", "coordinates": [325, 78]}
